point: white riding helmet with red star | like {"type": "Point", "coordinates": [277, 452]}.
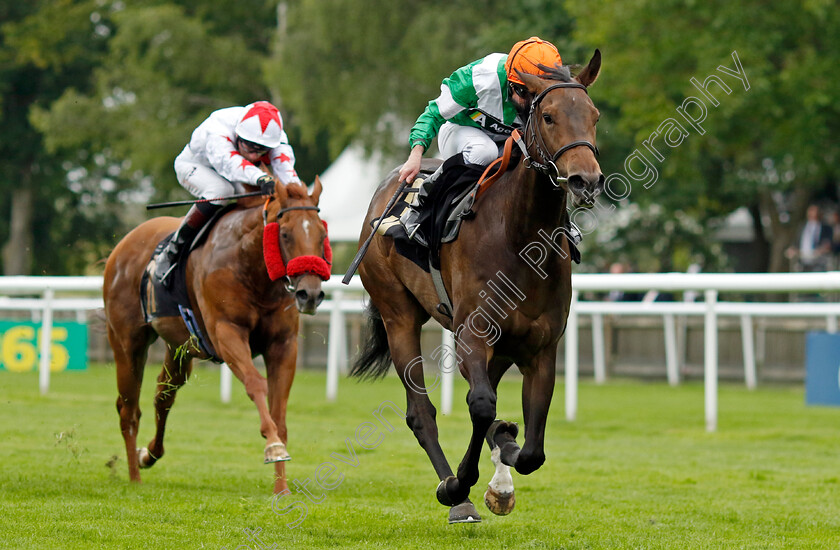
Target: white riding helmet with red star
{"type": "Point", "coordinates": [261, 124]}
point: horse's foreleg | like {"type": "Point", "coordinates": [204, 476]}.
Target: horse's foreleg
{"type": "Point", "coordinates": [481, 400]}
{"type": "Point", "coordinates": [537, 390]}
{"type": "Point", "coordinates": [280, 361]}
{"type": "Point", "coordinates": [173, 375]}
{"type": "Point", "coordinates": [232, 346]}
{"type": "Point", "coordinates": [404, 343]}
{"type": "Point", "coordinates": [499, 496]}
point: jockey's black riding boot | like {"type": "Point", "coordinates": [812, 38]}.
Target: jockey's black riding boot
{"type": "Point", "coordinates": [195, 219]}
{"type": "Point", "coordinates": [411, 217]}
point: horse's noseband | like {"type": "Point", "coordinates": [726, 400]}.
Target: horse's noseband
{"type": "Point", "coordinates": [274, 258]}
{"type": "Point", "coordinates": [548, 165]}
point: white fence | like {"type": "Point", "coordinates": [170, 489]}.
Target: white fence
{"type": "Point", "coordinates": [711, 285]}
{"type": "Point", "coordinates": [349, 299]}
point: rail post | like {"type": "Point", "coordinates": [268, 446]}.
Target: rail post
{"type": "Point", "coordinates": [572, 358]}
{"type": "Point", "coordinates": [46, 341]}
{"type": "Point", "coordinates": [710, 359]}
{"type": "Point", "coordinates": [336, 345]}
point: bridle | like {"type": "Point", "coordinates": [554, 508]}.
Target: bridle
{"type": "Point", "coordinates": [274, 256]}
{"type": "Point", "coordinates": [289, 208]}
{"type": "Point", "coordinates": [547, 163]}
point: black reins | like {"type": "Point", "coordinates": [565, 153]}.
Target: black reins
{"type": "Point", "coordinates": [284, 210]}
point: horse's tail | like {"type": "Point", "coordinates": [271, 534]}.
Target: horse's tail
{"type": "Point", "coordinates": [374, 361]}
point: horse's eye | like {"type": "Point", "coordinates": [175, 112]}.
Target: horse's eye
{"type": "Point", "coordinates": [284, 235]}
{"type": "Point", "coordinates": [547, 118]}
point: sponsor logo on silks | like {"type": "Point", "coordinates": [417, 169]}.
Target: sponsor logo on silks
{"type": "Point", "coordinates": [494, 126]}
{"type": "Point", "coordinates": [489, 123]}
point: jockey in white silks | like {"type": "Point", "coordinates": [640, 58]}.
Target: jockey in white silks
{"type": "Point", "coordinates": [223, 154]}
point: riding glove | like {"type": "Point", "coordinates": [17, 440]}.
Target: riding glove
{"type": "Point", "coordinates": [266, 184]}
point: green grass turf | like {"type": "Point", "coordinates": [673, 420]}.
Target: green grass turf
{"type": "Point", "coordinates": [635, 470]}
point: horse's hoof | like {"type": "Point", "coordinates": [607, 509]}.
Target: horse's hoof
{"type": "Point", "coordinates": [145, 458]}
{"type": "Point", "coordinates": [276, 452]}
{"type": "Point", "coordinates": [464, 513]}
{"type": "Point", "coordinates": [442, 494]}
{"type": "Point", "coordinates": [499, 496]}
{"type": "Point", "coordinates": [500, 504]}
{"type": "Point", "coordinates": [498, 429]}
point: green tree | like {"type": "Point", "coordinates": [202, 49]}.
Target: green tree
{"type": "Point", "coordinates": [364, 71]}
{"type": "Point", "coordinates": [44, 47]}
{"type": "Point", "coordinates": [98, 98]}
{"type": "Point", "coordinates": [164, 72]}
{"type": "Point", "coordinates": [769, 147]}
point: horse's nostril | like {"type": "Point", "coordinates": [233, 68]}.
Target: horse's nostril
{"type": "Point", "coordinates": [576, 183]}
{"type": "Point", "coordinates": [601, 181]}
{"type": "Point", "coordinates": [309, 297]}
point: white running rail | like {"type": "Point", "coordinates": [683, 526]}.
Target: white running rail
{"type": "Point", "coordinates": [350, 299]}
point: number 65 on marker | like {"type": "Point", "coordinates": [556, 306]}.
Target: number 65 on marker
{"type": "Point", "coordinates": [20, 346]}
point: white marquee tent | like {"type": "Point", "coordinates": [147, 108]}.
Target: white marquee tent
{"type": "Point", "coordinates": [349, 184]}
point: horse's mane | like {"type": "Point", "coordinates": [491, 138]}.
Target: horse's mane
{"type": "Point", "coordinates": [562, 73]}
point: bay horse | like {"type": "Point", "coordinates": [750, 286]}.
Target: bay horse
{"type": "Point", "coordinates": [507, 307]}
{"type": "Point", "coordinates": [238, 307]}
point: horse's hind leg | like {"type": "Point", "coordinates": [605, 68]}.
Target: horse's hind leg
{"type": "Point", "coordinates": [174, 374]}
{"type": "Point", "coordinates": [404, 344]}
{"type": "Point", "coordinates": [130, 357]}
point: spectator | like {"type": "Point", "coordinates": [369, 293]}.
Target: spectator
{"type": "Point", "coordinates": [814, 245]}
{"type": "Point", "coordinates": [620, 295]}
{"type": "Point", "coordinates": [835, 237]}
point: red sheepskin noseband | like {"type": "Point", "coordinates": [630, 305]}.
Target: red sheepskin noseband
{"type": "Point", "coordinates": [297, 266]}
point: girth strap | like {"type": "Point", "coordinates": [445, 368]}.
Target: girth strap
{"type": "Point", "coordinates": [445, 305]}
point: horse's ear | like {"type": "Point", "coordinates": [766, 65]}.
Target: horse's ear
{"type": "Point", "coordinates": [280, 192]}
{"type": "Point", "coordinates": [534, 83]}
{"type": "Point", "coordinates": [315, 195]}
{"type": "Point", "coordinates": [589, 74]}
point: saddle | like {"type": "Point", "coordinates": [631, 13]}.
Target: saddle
{"type": "Point", "coordinates": [158, 301]}
{"type": "Point", "coordinates": [449, 203]}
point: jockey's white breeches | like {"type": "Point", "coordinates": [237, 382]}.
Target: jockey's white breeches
{"type": "Point", "coordinates": [478, 146]}
{"type": "Point", "coordinates": [201, 180]}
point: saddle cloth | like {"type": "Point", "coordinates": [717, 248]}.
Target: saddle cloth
{"type": "Point", "coordinates": [159, 301]}
{"type": "Point", "coordinates": [447, 205]}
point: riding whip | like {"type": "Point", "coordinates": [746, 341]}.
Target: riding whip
{"type": "Point", "coordinates": [363, 249]}
{"type": "Point", "coordinates": [195, 201]}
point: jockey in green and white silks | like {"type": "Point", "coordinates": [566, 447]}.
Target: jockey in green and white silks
{"type": "Point", "coordinates": [478, 107]}
{"type": "Point", "coordinates": [472, 114]}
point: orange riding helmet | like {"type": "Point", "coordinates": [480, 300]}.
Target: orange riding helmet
{"type": "Point", "coordinates": [527, 55]}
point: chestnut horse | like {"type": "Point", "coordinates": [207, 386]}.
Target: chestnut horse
{"type": "Point", "coordinates": [509, 305]}
{"type": "Point", "coordinates": [239, 308]}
